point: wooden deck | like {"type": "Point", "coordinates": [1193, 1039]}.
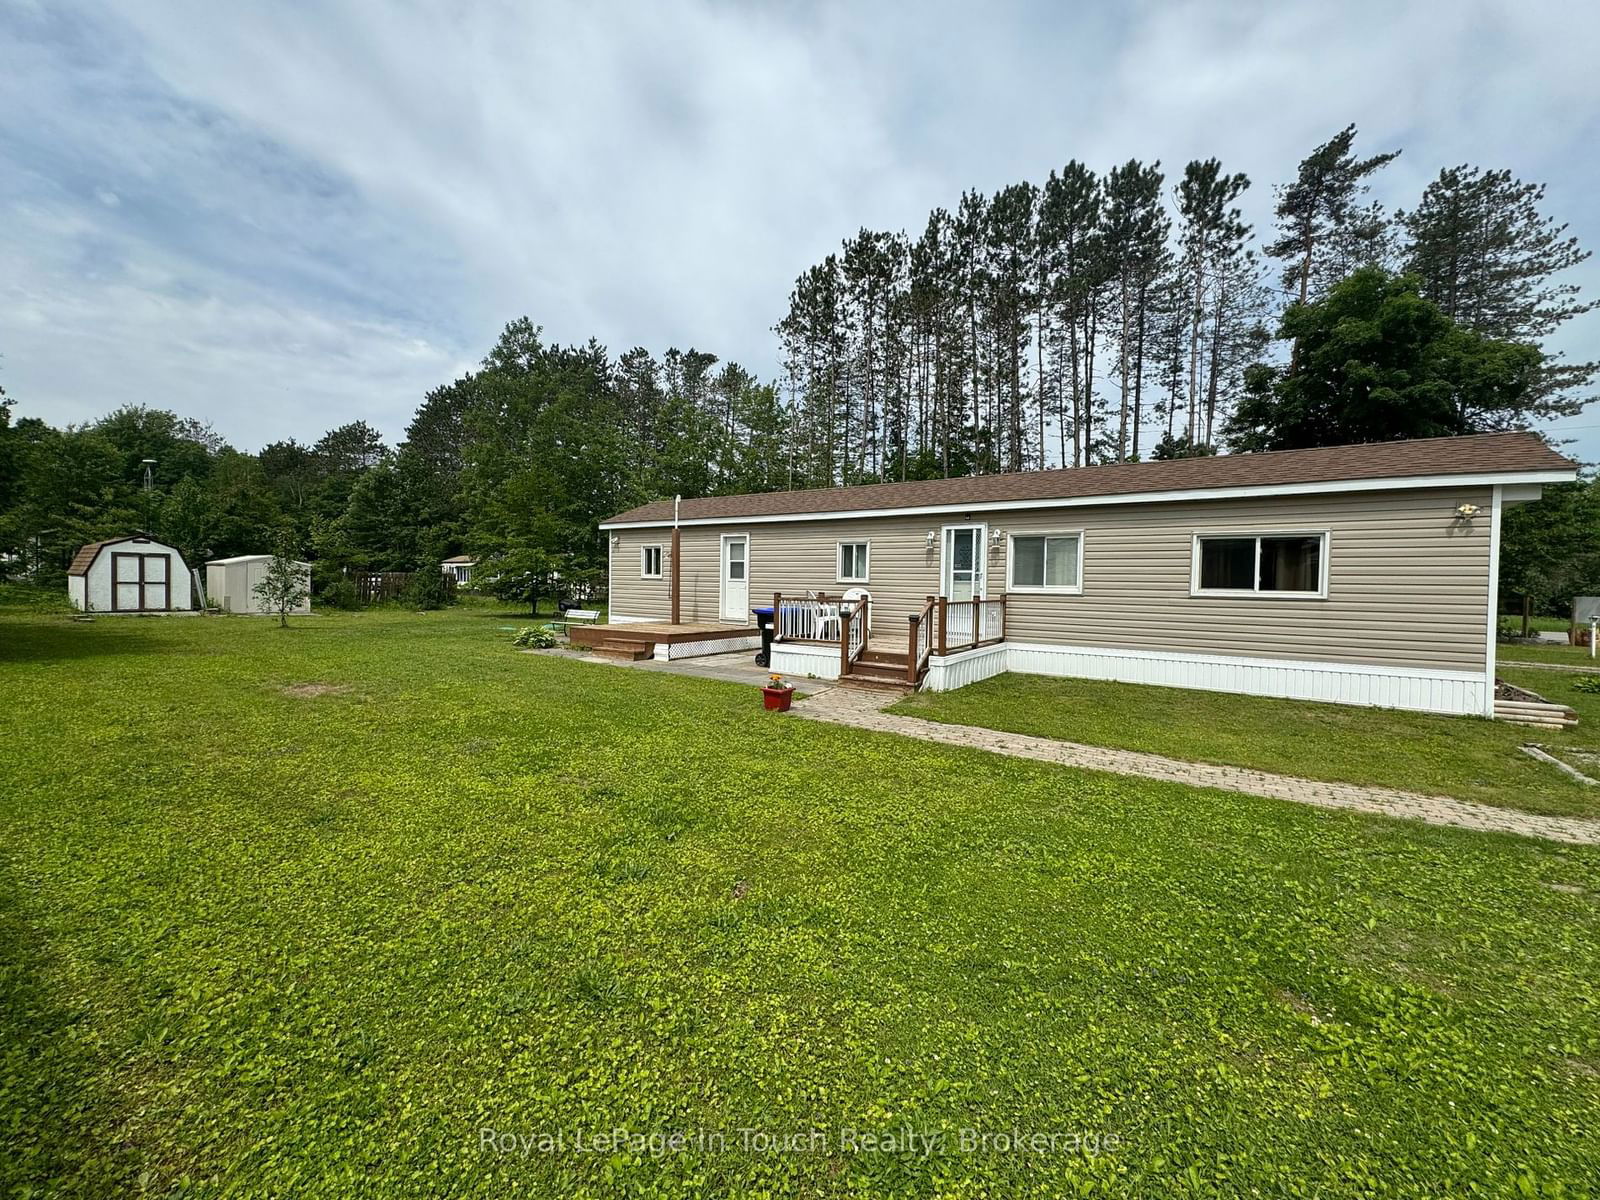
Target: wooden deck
{"type": "Point", "coordinates": [658, 633]}
{"type": "Point", "coordinates": [663, 639]}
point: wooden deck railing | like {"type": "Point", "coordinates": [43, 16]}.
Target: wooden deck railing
{"type": "Point", "coordinates": [809, 618]}
{"type": "Point", "coordinates": [941, 626]}
{"type": "Point", "coordinates": [854, 619]}
{"type": "Point", "coordinates": [968, 624]}
{"type": "Point", "coordinates": [920, 648]}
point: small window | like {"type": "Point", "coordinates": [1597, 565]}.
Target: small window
{"type": "Point", "coordinates": [650, 562]}
{"type": "Point", "coordinates": [1286, 564]}
{"type": "Point", "coordinates": [853, 562]}
{"type": "Point", "coordinates": [1047, 562]}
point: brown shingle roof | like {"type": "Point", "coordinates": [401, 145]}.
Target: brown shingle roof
{"type": "Point", "coordinates": [1479, 454]}
{"type": "Point", "coordinates": [84, 558]}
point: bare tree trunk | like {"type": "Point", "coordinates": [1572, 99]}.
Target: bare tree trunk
{"type": "Point", "coordinates": [1038, 383]}
{"type": "Point", "coordinates": [1194, 340]}
{"type": "Point", "coordinates": [1138, 370]}
{"type": "Point", "coordinates": [1122, 363]}
{"type": "Point", "coordinates": [1091, 332]}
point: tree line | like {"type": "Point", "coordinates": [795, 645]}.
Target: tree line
{"type": "Point", "coordinates": [514, 463]}
{"type": "Point", "coordinates": [1108, 317]}
{"type": "Point", "coordinates": [1093, 318]}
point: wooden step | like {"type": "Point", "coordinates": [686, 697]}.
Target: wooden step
{"type": "Point", "coordinates": [883, 656]}
{"type": "Point", "coordinates": [878, 673]}
{"type": "Point", "coordinates": [624, 651]}
{"type": "Point", "coordinates": [875, 683]}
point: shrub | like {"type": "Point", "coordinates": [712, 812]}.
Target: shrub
{"type": "Point", "coordinates": [428, 589]}
{"type": "Point", "coordinates": [340, 593]}
{"type": "Point", "coordinates": [534, 639]}
{"type": "Point", "coordinates": [28, 597]}
{"type": "Point", "coordinates": [1586, 683]}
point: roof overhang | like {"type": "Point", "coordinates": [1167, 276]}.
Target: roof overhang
{"type": "Point", "coordinates": [1333, 487]}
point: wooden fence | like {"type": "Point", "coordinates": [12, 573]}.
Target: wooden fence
{"type": "Point", "coordinates": [376, 587]}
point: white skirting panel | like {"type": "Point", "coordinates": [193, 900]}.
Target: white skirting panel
{"type": "Point", "coordinates": [966, 666]}
{"type": "Point", "coordinates": [1419, 688]}
{"type": "Point", "coordinates": [700, 649]}
{"type": "Point", "coordinates": [804, 662]}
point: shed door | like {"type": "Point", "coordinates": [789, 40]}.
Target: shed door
{"type": "Point", "coordinates": [156, 583]}
{"type": "Point", "coordinates": [127, 587]}
{"type": "Point", "coordinates": [139, 582]}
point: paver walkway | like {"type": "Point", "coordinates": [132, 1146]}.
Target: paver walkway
{"type": "Point", "coordinates": [863, 709]}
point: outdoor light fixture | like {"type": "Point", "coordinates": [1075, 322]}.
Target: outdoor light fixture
{"type": "Point", "coordinates": [996, 536]}
{"type": "Point", "coordinates": [1467, 511]}
{"type": "Point", "coordinates": [616, 539]}
{"type": "Point", "coordinates": [933, 537]}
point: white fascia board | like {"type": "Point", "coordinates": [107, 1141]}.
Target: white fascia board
{"type": "Point", "coordinates": [1399, 483]}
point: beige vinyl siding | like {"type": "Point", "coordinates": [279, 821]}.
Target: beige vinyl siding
{"type": "Point", "coordinates": [632, 596]}
{"type": "Point", "coordinates": [1407, 581]}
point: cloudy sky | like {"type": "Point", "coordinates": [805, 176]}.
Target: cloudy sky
{"type": "Point", "coordinates": [283, 216]}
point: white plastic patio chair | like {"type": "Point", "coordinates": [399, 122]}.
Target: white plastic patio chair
{"type": "Point", "coordinates": [853, 599]}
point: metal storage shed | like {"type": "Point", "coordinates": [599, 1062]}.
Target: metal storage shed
{"type": "Point", "coordinates": [231, 583]}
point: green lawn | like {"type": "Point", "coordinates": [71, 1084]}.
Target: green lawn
{"type": "Point", "coordinates": [1556, 652]}
{"type": "Point", "coordinates": [305, 912]}
{"type": "Point", "coordinates": [1547, 624]}
{"type": "Point", "coordinates": [1465, 757]}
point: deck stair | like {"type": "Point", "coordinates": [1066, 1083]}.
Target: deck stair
{"type": "Point", "coordinates": [879, 668]}
{"type": "Point", "coordinates": [625, 651]}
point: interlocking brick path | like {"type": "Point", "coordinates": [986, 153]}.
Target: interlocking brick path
{"type": "Point", "coordinates": [863, 709]}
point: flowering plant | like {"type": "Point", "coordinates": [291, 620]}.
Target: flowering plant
{"type": "Point", "coordinates": [776, 681]}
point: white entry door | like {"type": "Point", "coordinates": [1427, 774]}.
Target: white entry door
{"type": "Point", "coordinates": [736, 577]}
{"type": "Point", "coordinates": [964, 559]}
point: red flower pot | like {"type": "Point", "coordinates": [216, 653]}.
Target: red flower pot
{"type": "Point", "coordinates": [777, 699]}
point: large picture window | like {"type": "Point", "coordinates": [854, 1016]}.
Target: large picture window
{"type": "Point", "coordinates": [1288, 564]}
{"type": "Point", "coordinates": [1046, 562]}
{"type": "Point", "coordinates": [853, 562]}
{"type": "Point", "coordinates": [650, 562]}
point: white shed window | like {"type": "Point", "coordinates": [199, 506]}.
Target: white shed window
{"type": "Point", "coordinates": [853, 561]}
{"type": "Point", "coordinates": [1285, 564]}
{"type": "Point", "coordinates": [1047, 562]}
{"type": "Point", "coordinates": [650, 562]}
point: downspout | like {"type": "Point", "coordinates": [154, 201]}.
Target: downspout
{"type": "Point", "coordinates": [676, 500]}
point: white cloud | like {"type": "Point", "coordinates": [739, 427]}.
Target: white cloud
{"type": "Point", "coordinates": [344, 203]}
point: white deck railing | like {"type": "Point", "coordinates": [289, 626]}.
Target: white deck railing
{"type": "Point", "coordinates": [968, 623]}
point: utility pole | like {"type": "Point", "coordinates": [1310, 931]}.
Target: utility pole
{"type": "Point", "coordinates": [38, 550]}
{"type": "Point", "coordinates": [149, 489]}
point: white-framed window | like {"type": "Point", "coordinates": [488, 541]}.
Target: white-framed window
{"type": "Point", "coordinates": [1045, 562]}
{"type": "Point", "coordinates": [650, 562]}
{"type": "Point", "coordinates": [853, 561]}
{"type": "Point", "coordinates": [1290, 564]}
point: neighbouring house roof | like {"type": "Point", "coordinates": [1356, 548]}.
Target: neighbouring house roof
{"type": "Point", "coordinates": [84, 558]}
{"type": "Point", "coordinates": [465, 559]}
{"type": "Point", "coordinates": [1515, 456]}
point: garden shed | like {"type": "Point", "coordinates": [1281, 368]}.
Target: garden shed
{"type": "Point", "coordinates": [231, 583]}
{"type": "Point", "coordinates": [133, 574]}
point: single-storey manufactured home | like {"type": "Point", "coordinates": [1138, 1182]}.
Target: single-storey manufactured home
{"type": "Point", "coordinates": [133, 574]}
{"type": "Point", "coordinates": [1357, 574]}
{"type": "Point", "coordinates": [459, 568]}
{"type": "Point", "coordinates": [231, 584]}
